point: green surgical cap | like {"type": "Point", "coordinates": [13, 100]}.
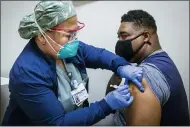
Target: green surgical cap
{"type": "Point", "coordinates": [48, 14]}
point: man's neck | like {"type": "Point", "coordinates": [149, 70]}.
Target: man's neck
{"type": "Point", "coordinates": [148, 53]}
{"type": "Point", "coordinates": [155, 45]}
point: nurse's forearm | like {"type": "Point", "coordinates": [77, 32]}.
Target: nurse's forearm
{"type": "Point", "coordinates": [87, 116]}
{"type": "Point", "coordinates": [82, 117]}
{"type": "Point", "coordinates": [101, 58]}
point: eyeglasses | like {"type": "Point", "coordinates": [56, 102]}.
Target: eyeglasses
{"type": "Point", "coordinates": [69, 32]}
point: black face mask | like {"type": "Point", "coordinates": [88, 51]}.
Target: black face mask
{"type": "Point", "coordinates": [124, 48]}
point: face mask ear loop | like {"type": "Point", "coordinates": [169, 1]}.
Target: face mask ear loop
{"type": "Point", "coordinates": [42, 32]}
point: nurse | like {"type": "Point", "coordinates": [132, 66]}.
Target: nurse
{"type": "Point", "coordinates": [48, 81]}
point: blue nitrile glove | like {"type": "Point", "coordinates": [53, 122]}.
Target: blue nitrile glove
{"type": "Point", "coordinates": [132, 73]}
{"type": "Point", "coordinates": [119, 98]}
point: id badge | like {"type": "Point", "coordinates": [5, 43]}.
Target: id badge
{"type": "Point", "coordinates": [80, 94]}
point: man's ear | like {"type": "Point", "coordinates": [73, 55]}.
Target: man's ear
{"type": "Point", "coordinates": [147, 37]}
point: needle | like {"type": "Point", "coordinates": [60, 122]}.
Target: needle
{"type": "Point", "coordinates": [116, 86]}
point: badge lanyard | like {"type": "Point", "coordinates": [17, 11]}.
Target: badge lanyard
{"type": "Point", "coordinates": [79, 92]}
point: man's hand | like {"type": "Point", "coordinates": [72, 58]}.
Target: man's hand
{"type": "Point", "coordinates": [132, 73]}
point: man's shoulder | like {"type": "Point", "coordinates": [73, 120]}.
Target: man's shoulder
{"type": "Point", "coordinates": [160, 59]}
{"type": "Point", "coordinates": [161, 62]}
{"type": "Point", "coordinates": [157, 82]}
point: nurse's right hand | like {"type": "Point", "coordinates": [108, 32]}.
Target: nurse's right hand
{"type": "Point", "coordinates": [119, 98]}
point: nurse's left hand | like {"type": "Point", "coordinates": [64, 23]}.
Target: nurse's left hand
{"type": "Point", "coordinates": [132, 73]}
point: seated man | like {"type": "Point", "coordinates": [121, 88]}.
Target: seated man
{"type": "Point", "coordinates": [164, 101]}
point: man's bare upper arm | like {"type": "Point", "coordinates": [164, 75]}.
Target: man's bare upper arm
{"type": "Point", "coordinates": [145, 109]}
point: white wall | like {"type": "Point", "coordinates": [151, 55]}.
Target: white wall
{"type": "Point", "coordinates": [102, 19]}
{"type": "Point", "coordinates": [12, 13]}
